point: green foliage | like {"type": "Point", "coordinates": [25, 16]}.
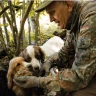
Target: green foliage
{"type": "Point", "coordinates": [43, 37]}
{"type": "Point", "coordinates": [35, 5]}
{"type": "Point", "coordinates": [1, 25]}
{"type": "Point", "coordinates": [46, 29]}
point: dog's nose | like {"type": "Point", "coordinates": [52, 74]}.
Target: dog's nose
{"type": "Point", "coordinates": [36, 68]}
{"type": "Point", "coordinates": [29, 66]}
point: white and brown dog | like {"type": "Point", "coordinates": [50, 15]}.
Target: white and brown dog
{"type": "Point", "coordinates": [37, 54]}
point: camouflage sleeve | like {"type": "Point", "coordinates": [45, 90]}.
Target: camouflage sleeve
{"type": "Point", "coordinates": [84, 65]}
{"type": "Point", "coordinates": [66, 54]}
{"type": "Point", "coordinates": [62, 57]}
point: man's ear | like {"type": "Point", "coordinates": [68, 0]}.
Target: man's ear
{"type": "Point", "coordinates": [70, 5]}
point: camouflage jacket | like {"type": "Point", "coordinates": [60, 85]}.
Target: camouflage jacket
{"type": "Point", "coordinates": [80, 45]}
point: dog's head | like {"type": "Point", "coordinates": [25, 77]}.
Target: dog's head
{"type": "Point", "coordinates": [14, 65]}
{"type": "Point", "coordinates": [34, 55]}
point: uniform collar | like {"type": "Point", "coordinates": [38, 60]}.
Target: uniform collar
{"type": "Point", "coordinates": [74, 17]}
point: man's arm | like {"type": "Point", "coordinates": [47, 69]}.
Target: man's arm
{"type": "Point", "coordinates": [84, 65]}
{"type": "Point", "coordinates": [63, 58]}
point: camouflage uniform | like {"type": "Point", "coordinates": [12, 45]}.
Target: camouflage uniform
{"type": "Point", "coordinates": [80, 48]}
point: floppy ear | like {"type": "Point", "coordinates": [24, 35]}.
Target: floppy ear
{"type": "Point", "coordinates": [39, 53]}
{"type": "Point", "coordinates": [23, 54]}
{"type": "Point", "coordinates": [12, 70]}
{"type": "Point", "coordinates": [42, 55]}
{"type": "Point", "coordinates": [10, 78]}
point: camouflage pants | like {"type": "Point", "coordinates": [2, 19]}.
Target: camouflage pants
{"type": "Point", "coordinates": [90, 90]}
{"type": "Point", "coordinates": [53, 89]}
{"type": "Point", "coordinates": [56, 93]}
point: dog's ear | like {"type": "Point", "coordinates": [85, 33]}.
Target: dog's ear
{"type": "Point", "coordinates": [23, 54]}
{"type": "Point", "coordinates": [42, 55]}
{"type": "Point", "coordinates": [39, 53]}
{"type": "Point", "coordinates": [10, 78]}
{"type": "Point", "coordinates": [11, 71]}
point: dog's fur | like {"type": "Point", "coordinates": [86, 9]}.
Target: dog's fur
{"type": "Point", "coordinates": [34, 55]}
{"type": "Point", "coordinates": [37, 54]}
{"type": "Point", "coordinates": [15, 65]}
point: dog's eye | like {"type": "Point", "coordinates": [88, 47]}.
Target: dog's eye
{"type": "Point", "coordinates": [28, 59]}
{"type": "Point", "coordinates": [38, 56]}
{"type": "Point", "coordinates": [18, 64]}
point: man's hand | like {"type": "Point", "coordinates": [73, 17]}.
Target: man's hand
{"type": "Point", "coordinates": [32, 81]}
{"type": "Point", "coordinates": [45, 68]}
{"type": "Point", "coordinates": [27, 81]}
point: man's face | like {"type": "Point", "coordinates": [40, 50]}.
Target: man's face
{"type": "Point", "coordinates": [59, 13]}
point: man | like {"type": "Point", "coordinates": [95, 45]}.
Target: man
{"type": "Point", "coordinates": [80, 47]}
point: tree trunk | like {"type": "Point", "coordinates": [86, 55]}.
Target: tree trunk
{"type": "Point", "coordinates": [2, 41]}
{"type": "Point", "coordinates": [12, 26]}
{"type": "Point", "coordinates": [23, 33]}
{"type": "Point", "coordinates": [37, 29]}
{"type": "Point", "coordinates": [29, 29]}
{"type": "Point", "coordinates": [6, 32]}
{"type": "Point", "coordinates": [13, 23]}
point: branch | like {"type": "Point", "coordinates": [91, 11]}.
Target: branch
{"type": "Point", "coordinates": [25, 17]}
{"type": "Point", "coordinates": [22, 24]}
{"type": "Point", "coordinates": [8, 19]}
{"type": "Point", "coordinates": [6, 8]}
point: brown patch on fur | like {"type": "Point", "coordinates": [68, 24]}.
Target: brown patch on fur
{"type": "Point", "coordinates": [39, 53]}
{"type": "Point", "coordinates": [26, 56]}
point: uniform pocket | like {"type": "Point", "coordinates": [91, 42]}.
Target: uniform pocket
{"type": "Point", "coordinates": [83, 42]}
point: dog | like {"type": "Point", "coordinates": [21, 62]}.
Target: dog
{"type": "Point", "coordinates": [33, 57]}
{"type": "Point", "coordinates": [18, 67]}
{"type": "Point", "coordinates": [36, 55]}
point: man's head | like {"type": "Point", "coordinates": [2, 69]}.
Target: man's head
{"type": "Point", "coordinates": [59, 11]}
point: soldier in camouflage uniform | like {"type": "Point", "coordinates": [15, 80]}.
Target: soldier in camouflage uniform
{"type": "Point", "coordinates": [80, 47]}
